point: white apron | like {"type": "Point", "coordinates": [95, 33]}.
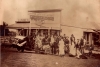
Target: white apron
{"type": "Point", "coordinates": [72, 49]}
{"type": "Point", "coordinates": [61, 47]}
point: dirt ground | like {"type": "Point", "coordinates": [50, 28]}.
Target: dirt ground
{"type": "Point", "coordinates": [10, 57]}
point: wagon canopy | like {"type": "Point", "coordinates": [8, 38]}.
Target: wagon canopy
{"type": "Point", "coordinates": [20, 37]}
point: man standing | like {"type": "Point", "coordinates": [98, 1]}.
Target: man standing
{"type": "Point", "coordinates": [55, 43]}
{"type": "Point", "coordinates": [46, 44]}
{"type": "Point", "coordinates": [66, 43]}
{"type": "Point", "coordinates": [82, 44]}
{"type": "Point", "coordinates": [72, 39]}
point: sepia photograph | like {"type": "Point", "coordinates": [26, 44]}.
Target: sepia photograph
{"type": "Point", "coordinates": [50, 33]}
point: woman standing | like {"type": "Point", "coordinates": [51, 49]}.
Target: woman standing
{"type": "Point", "coordinates": [52, 44]}
{"type": "Point", "coordinates": [61, 47]}
{"type": "Point", "coordinates": [72, 46]}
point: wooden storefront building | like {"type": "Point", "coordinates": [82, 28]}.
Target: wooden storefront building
{"type": "Point", "coordinates": [40, 22]}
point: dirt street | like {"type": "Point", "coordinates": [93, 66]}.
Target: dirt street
{"type": "Point", "coordinates": [10, 57]}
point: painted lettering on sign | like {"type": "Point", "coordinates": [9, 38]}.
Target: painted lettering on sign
{"type": "Point", "coordinates": [42, 18]}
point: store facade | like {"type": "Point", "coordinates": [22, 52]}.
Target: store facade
{"type": "Point", "coordinates": [43, 22]}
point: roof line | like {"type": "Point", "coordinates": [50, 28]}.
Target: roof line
{"type": "Point", "coordinates": [47, 10]}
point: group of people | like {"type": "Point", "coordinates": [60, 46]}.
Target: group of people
{"type": "Point", "coordinates": [58, 45]}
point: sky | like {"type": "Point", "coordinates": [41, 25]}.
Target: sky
{"type": "Point", "coordinates": [81, 13]}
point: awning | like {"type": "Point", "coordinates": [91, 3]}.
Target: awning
{"type": "Point", "coordinates": [89, 30]}
{"type": "Point", "coordinates": [34, 26]}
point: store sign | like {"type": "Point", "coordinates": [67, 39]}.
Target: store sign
{"type": "Point", "coordinates": [42, 18]}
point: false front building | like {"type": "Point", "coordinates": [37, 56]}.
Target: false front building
{"type": "Point", "coordinates": [41, 22]}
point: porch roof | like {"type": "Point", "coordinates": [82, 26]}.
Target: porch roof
{"type": "Point", "coordinates": [34, 26]}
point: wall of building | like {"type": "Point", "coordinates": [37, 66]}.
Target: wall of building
{"type": "Point", "coordinates": [78, 33]}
